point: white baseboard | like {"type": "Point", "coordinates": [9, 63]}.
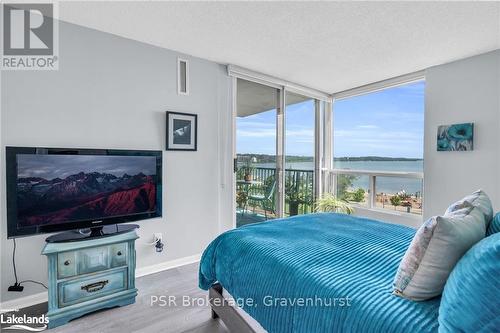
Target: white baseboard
{"type": "Point", "coordinates": [25, 301]}
{"type": "Point", "coordinates": [163, 266]}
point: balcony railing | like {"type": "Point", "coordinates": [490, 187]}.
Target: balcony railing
{"type": "Point", "coordinates": [363, 188]}
{"type": "Point", "coordinates": [298, 188]}
{"type": "Point", "coordinates": [405, 194]}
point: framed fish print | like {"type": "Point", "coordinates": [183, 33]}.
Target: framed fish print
{"type": "Point", "coordinates": [182, 131]}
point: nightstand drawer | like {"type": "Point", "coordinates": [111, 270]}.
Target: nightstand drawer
{"type": "Point", "coordinates": [81, 290]}
{"type": "Point", "coordinates": [66, 264]}
{"type": "Point", "coordinates": [118, 254]}
{"type": "Point", "coordinates": [93, 259]}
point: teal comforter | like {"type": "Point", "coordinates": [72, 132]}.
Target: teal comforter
{"type": "Point", "coordinates": [318, 273]}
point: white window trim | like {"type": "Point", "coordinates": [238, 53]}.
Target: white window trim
{"type": "Point", "coordinates": [179, 61]}
{"type": "Point", "coordinates": [380, 85]}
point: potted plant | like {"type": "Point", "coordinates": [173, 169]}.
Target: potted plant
{"type": "Point", "coordinates": [294, 199]}
{"type": "Point", "coordinates": [248, 171]}
{"type": "Point", "coordinates": [330, 203]}
{"type": "Point", "coordinates": [297, 192]}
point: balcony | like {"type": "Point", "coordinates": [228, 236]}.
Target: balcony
{"type": "Point", "coordinates": [255, 196]}
{"type": "Point", "coordinates": [397, 191]}
{"type": "Point", "coordinates": [393, 191]}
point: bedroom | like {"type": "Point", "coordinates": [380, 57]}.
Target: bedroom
{"type": "Point", "coordinates": [272, 85]}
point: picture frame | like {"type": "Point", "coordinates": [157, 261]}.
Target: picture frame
{"type": "Point", "coordinates": [182, 131]}
{"type": "Point", "coordinates": [455, 137]}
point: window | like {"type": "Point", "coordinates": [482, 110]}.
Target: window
{"type": "Point", "coordinates": [378, 148]}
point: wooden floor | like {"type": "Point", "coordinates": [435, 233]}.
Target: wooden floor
{"type": "Point", "coordinates": [144, 317]}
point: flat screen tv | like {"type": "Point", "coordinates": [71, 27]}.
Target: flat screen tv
{"type": "Point", "coordinates": [56, 189]}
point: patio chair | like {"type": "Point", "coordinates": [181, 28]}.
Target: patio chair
{"type": "Point", "coordinates": [266, 200]}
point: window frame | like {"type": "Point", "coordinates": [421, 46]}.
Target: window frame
{"type": "Point", "coordinates": [330, 185]}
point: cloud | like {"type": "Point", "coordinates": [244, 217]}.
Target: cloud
{"type": "Point", "coordinates": [256, 133]}
{"type": "Point", "coordinates": [367, 126]}
{"type": "Point", "coordinates": [300, 132]}
{"type": "Point", "coordinates": [256, 124]}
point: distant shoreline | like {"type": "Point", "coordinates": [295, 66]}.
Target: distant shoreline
{"type": "Point", "coordinates": [290, 159]}
{"type": "Point", "coordinates": [377, 158]}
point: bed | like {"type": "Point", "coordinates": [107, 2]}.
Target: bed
{"type": "Point", "coordinates": [325, 260]}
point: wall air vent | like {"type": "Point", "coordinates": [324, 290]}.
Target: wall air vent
{"type": "Point", "coordinates": [182, 76]}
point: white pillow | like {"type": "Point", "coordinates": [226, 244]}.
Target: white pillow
{"type": "Point", "coordinates": [438, 245]}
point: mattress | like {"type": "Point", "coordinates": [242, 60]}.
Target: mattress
{"type": "Point", "coordinates": [318, 273]}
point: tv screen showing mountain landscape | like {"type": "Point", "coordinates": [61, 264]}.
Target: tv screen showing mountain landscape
{"type": "Point", "coordinates": [66, 188]}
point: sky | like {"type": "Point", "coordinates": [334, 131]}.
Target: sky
{"type": "Point", "coordinates": [62, 166]}
{"type": "Point", "coordinates": [387, 123]}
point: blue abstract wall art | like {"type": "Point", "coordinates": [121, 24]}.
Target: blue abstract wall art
{"type": "Point", "coordinates": [457, 137]}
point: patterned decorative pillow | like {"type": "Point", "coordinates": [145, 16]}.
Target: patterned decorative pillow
{"type": "Point", "coordinates": [478, 199]}
{"type": "Point", "coordinates": [494, 226]}
{"type": "Point", "coordinates": [459, 208]}
{"type": "Point", "coordinates": [437, 246]}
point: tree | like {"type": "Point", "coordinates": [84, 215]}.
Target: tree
{"type": "Point", "coordinates": [358, 195]}
{"type": "Point", "coordinates": [395, 201]}
{"type": "Point", "coordinates": [344, 182]}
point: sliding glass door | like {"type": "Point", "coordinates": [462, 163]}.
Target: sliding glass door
{"type": "Point", "coordinates": [276, 153]}
{"type": "Point", "coordinates": [299, 157]}
{"type": "Point", "coordinates": [255, 161]}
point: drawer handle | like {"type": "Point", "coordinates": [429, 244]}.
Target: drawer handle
{"type": "Point", "coordinates": [67, 262]}
{"type": "Point", "coordinates": [119, 253]}
{"type": "Point", "coordinates": [96, 286]}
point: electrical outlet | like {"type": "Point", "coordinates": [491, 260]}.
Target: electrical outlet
{"type": "Point", "coordinates": [159, 241]}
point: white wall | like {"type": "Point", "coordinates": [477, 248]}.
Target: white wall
{"type": "Point", "coordinates": [463, 91]}
{"type": "Point", "coordinates": [111, 92]}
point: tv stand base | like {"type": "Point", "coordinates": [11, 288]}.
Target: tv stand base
{"type": "Point", "coordinates": [92, 233]}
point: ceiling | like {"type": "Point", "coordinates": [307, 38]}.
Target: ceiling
{"type": "Point", "coordinates": [330, 46]}
{"type": "Point", "coordinates": [254, 98]}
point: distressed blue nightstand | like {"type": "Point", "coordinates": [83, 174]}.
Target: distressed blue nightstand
{"type": "Point", "coordinates": [85, 276]}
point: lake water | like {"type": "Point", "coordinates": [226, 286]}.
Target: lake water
{"type": "Point", "coordinates": [384, 184]}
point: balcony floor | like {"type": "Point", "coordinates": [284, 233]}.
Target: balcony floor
{"type": "Point", "coordinates": [244, 217]}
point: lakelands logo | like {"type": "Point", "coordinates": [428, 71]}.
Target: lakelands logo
{"type": "Point", "coordinates": [24, 322]}
{"type": "Point", "coordinates": [30, 36]}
